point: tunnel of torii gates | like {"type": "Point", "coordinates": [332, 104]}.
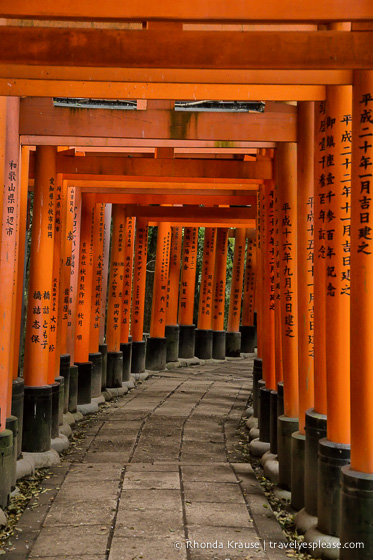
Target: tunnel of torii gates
{"type": "Point", "coordinates": [290, 181]}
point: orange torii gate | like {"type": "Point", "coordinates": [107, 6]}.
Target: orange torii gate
{"type": "Point", "coordinates": [284, 58]}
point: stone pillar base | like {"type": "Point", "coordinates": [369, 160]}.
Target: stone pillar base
{"type": "Point", "coordinates": [55, 409]}
{"type": "Point", "coordinates": [248, 338]}
{"type": "Point", "coordinates": [126, 349]}
{"type": "Point", "coordinates": [103, 351]}
{"type": "Point", "coordinates": [84, 382]}
{"type": "Point", "coordinates": [172, 343]}
{"type": "Point", "coordinates": [273, 422]}
{"type": "Point", "coordinates": [156, 351]}
{"type": "Point", "coordinates": [186, 341]}
{"type": "Point", "coordinates": [233, 345]}
{"type": "Point", "coordinates": [114, 369]}
{"type": "Point", "coordinates": [285, 427]}
{"type": "Point", "coordinates": [18, 388]}
{"type": "Point", "coordinates": [37, 419]}
{"type": "Point", "coordinates": [265, 415]}
{"type": "Point", "coordinates": [357, 514]}
{"type": "Point", "coordinates": [203, 344]}
{"type": "Point", "coordinates": [315, 430]}
{"type": "Point", "coordinates": [332, 456]}
{"type": "Point", "coordinates": [6, 466]}
{"type": "Point", "coordinates": [298, 442]}
{"type": "Point", "coordinates": [61, 398]}
{"type": "Point", "coordinates": [218, 345]}
{"type": "Point", "coordinates": [96, 379]}
{"type": "Point", "coordinates": [257, 376]}
{"type": "Point", "coordinates": [12, 425]}
{"type": "Point", "coordinates": [65, 373]}
{"type": "Point", "coordinates": [138, 357]}
{"type": "Point", "coordinates": [73, 392]}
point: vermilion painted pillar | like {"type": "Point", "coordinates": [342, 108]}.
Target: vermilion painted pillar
{"type": "Point", "coordinates": [233, 341]}
{"type": "Point", "coordinates": [305, 259]}
{"type": "Point", "coordinates": [9, 166]}
{"type": "Point", "coordinates": [64, 309]}
{"type": "Point", "coordinates": [220, 277]}
{"type": "Point", "coordinates": [114, 312]}
{"type": "Point", "coordinates": [286, 176]}
{"type": "Point", "coordinates": [187, 287]}
{"type": "Point", "coordinates": [268, 312]}
{"type": "Point", "coordinates": [316, 417]}
{"type": "Point", "coordinates": [156, 343]}
{"type": "Point", "coordinates": [38, 394]}
{"type": "Point", "coordinates": [247, 328]}
{"type": "Point", "coordinates": [204, 334]}
{"type": "Point", "coordinates": [259, 283]}
{"type": "Point", "coordinates": [74, 275]}
{"type": "Point", "coordinates": [105, 272]}
{"type": "Point", "coordinates": [172, 328]}
{"type": "Point", "coordinates": [357, 482]}
{"type": "Point", "coordinates": [335, 449]}
{"type": "Point", "coordinates": [94, 335]}
{"type": "Point", "coordinates": [125, 343]}
{"type": "Point", "coordinates": [84, 273]}
{"type": "Point", "coordinates": [138, 297]}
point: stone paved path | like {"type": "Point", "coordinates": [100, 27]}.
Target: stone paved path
{"type": "Point", "coordinates": [159, 469]}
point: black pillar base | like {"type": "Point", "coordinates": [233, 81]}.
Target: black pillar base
{"type": "Point", "coordinates": [84, 382]}
{"type": "Point", "coordinates": [126, 349]}
{"type": "Point", "coordinates": [103, 351]}
{"type": "Point", "coordinates": [280, 399]}
{"type": "Point", "coordinates": [96, 379]}
{"type": "Point", "coordinates": [261, 384]}
{"type": "Point", "coordinates": [65, 373]}
{"type": "Point", "coordinates": [257, 376]}
{"type": "Point", "coordinates": [273, 422]}
{"type": "Point", "coordinates": [233, 345]}
{"type": "Point", "coordinates": [265, 415]}
{"type": "Point", "coordinates": [37, 419]}
{"type": "Point", "coordinates": [73, 390]}
{"type": "Point", "coordinates": [218, 345]}
{"type": "Point", "coordinates": [17, 409]}
{"type": "Point", "coordinates": [187, 341]}
{"type": "Point", "coordinates": [203, 344]}
{"type": "Point", "coordinates": [332, 457]}
{"type": "Point", "coordinates": [156, 348]}
{"type": "Point", "coordinates": [61, 398]}
{"type": "Point", "coordinates": [55, 406]}
{"type": "Point", "coordinates": [114, 369]}
{"type": "Point", "coordinates": [248, 338]}
{"type": "Point", "coordinates": [298, 442]}
{"type": "Point", "coordinates": [138, 357]}
{"type": "Point", "coordinates": [12, 425]}
{"type": "Point", "coordinates": [172, 333]}
{"type": "Point", "coordinates": [6, 466]}
{"type": "Point", "coordinates": [285, 427]}
{"type": "Point", "coordinates": [315, 430]}
{"type": "Point", "coordinates": [357, 514]}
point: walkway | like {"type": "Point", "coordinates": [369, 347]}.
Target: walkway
{"type": "Point", "coordinates": [160, 467]}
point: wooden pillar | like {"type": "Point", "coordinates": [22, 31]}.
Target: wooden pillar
{"type": "Point", "coordinates": [204, 335]}
{"type": "Point", "coordinates": [156, 351]}
{"type": "Point", "coordinates": [218, 312]}
{"type": "Point", "coordinates": [115, 280]}
{"type": "Point", "coordinates": [138, 297]}
{"type": "Point", "coordinates": [286, 176]}
{"type": "Point", "coordinates": [8, 251]}
{"type": "Point", "coordinates": [84, 274]}
{"type": "Point", "coordinates": [187, 288]}
{"type": "Point", "coordinates": [54, 335]}
{"type": "Point", "coordinates": [98, 244]}
{"type": "Point", "coordinates": [105, 273]}
{"type": "Point", "coordinates": [357, 481]}
{"type": "Point", "coordinates": [259, 278]}
{"type": "Point", "coordinates": [174, 276]}
{"type": "Point", "coordinates": [64, 310]}
{"type": "Point", "coordinates": [74, 275]}
{"type": "Point", "coordinates": [233, 347]}
{"type": "Point", "coordinates": [248, 306]}
{"type": "Point", "coordinates": [305, 259]}
{"type": "Point", "coordinates": [129, 241]}
{"type": "Point", "coordinates": [41, 269]}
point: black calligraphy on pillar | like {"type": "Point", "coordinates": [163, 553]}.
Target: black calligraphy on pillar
{"type": "Point", "coordinates": [365, 175]}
